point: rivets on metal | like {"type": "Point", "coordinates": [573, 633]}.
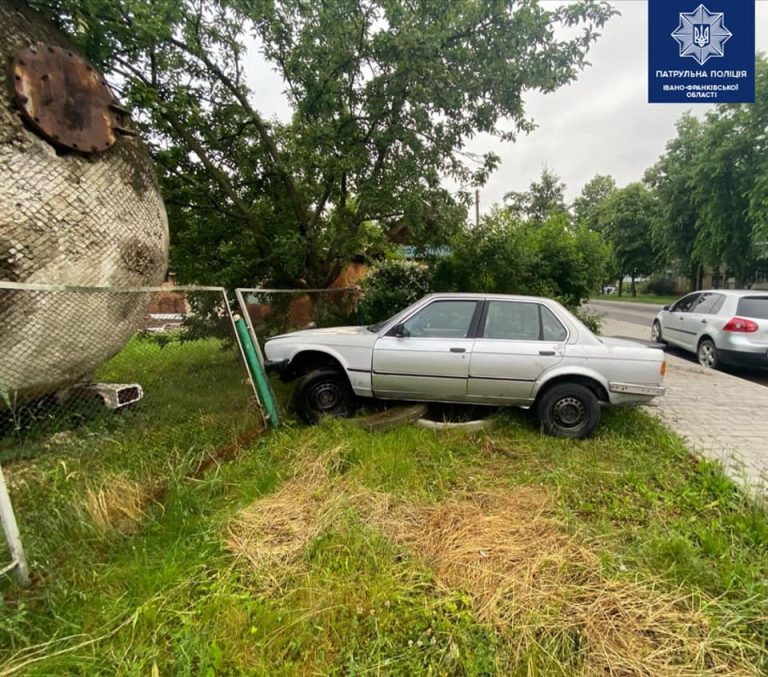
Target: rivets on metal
{"type": "Point", "coordinates": [66, 100]}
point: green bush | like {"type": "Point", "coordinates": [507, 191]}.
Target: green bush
{"type": "Point", "coordinates": [393, 285]}
{"type": "Point", "coordinates": [662, 286]}
{"type": "Point", "coordinates": [507, 256]}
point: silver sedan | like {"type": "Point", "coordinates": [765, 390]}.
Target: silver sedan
{"type": "Point", "coordinates": [471, 348]}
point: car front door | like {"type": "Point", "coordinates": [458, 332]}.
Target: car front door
{"type": "Point", "coordinates": [517, 342]}
{"type": "Point", "coordinates": [426, 357]}
{"type": "Point", "coordinates": [675, 328]}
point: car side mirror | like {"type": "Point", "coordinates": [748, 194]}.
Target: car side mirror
{"type": "Point", "coordinates": [400, 331]}
{"type": "Point", "coordinates": [665, 308]}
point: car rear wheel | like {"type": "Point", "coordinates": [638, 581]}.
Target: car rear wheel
{"type": "Point", "coordinates": [569, 410]}
{"type": "Point", "coordinates": [323, 392]}
{"type": "Point", "coordinates": [656, 336]}
{"type": "Point", "coordinates": [707, 354]}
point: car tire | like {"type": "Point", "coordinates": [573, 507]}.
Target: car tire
{"type": "Point", "coordinates": [707, 355]}
{"type": "Point", "coordinates": [569, 410]}
{"type": "Point", "coordinates": [323, 392]}
{"type": "Point", "coordinates": [656, 335]}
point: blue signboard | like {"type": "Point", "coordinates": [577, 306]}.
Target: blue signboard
{"type": "Point", "coordinates": [701, 52]}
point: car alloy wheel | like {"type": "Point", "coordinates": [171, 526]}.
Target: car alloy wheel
{"type": "Point", "coordinates": [707, 354]}
{"type": "Point", "coordinates": [656, 332]}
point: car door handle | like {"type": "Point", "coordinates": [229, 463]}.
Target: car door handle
{"type": "Point", "coordinates": [703, 321]}
{"type": "Point", "coordinates": [547, 352]}
{"type": "Point", "coordinates": [458, 350]}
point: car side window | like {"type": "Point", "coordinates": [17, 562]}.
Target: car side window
{"type": "Point", "coordinates": [520, 321]}
{"type": "Point", "coordinates": [709, 304]}
{"type": "Point", "coordinates": [685, 304]}
{"type": "Point", "coordinates": [551, 328]}
{"type": "Point", "coordinates": [441, 319]}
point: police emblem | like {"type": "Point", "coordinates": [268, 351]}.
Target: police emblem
{"type": "Point", "coordinates": [702, 34]}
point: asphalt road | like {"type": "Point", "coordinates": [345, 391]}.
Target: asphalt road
{"type": "Point", "coordinates": [636, 313]}
{"type": "Point", "coordinates": [642, 314]}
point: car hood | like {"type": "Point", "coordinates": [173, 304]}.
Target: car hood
{"type": "Point", "coordinates": [325, 331]}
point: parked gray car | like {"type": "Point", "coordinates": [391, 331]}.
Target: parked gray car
{"type": "Point", "coordinates": [475, 349]}
{"type": "Point", "coordinates": [721, 326]}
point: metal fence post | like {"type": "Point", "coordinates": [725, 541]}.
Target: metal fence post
{"type": "Point", "coordinates": [12, 537]}
{"type": "Point", "coordinates": [257, 372]}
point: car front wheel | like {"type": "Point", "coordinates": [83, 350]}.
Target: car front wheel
{"type": "Point", "coordinates": [656, 336]}
{"type": "Point", "coordinates": [569, 410]}
{"type": "Point", "coordinates": [707, 354]}
{"type": "Point", "coordinates": [323, 392]}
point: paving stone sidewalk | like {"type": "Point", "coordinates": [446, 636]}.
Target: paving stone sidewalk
{"type": "Point", "coordinates": [721, 416]}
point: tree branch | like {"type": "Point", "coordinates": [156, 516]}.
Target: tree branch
{"type": "Point", "coordinates": [261, 128]}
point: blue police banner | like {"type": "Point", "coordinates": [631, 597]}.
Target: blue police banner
{"type": "Point", "coordinates": [701, 52]}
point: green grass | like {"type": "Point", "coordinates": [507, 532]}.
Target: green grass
{"type": "Point", "coordinates": [172, 595]}
{"type": "Point", "coordinates": [640, 298]}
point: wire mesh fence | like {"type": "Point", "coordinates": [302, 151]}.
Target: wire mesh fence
{"type": "Point", "coordinates": [110, 396]}
{"type": "Point", "coordinates": [276, 311]}
{"type": "Point", "coordinates": [78, 360]}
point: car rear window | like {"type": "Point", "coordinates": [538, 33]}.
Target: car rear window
{"type": "Point", "coordinates": [753, 306]}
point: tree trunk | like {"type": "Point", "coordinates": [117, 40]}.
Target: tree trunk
{"type": "Point", "coordinates": [621, 286]}
{"type": "Point", "coordinates": [634, 287]}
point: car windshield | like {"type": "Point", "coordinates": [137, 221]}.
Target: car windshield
{"type": "Point", "coordinates": [378, 326]}
{"type": "Point", "coordinates": [753, 306]}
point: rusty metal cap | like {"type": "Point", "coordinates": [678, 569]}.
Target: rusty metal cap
{"type": "Point", "coordinates": [65, 99]}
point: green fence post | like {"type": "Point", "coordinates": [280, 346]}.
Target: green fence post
{"type": "Point", "coordinates": [257, 372]}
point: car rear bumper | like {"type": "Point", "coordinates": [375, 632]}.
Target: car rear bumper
{"type": "Point", "coordinates": [640, 389]}
{"type": "Point", "coordinates": [740, 358]}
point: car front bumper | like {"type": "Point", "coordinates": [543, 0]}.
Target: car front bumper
{"type": "Point", "coordinates": [277, 366]}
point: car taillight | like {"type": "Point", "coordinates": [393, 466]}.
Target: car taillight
{"type": "Point", "coordinates": [663, 369]}
{"type": "Point", "coordinates": [740, 324]}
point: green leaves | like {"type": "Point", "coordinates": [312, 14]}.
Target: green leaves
{"type": "Point", "coordinates": [711, 185]}
{"type": "Point", "coordinates": [508, 256]}
{"type": "Point", "coordinates": [383, 96]}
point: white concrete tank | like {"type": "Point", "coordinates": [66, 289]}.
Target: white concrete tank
{"type": "Point", "coordinates": [79, 205]}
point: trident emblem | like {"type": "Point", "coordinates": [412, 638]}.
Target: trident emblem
{"type": "Point", "coordinates": [701, 35]}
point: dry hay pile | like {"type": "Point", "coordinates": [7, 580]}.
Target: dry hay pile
{"type": "Point", "coordinates": [527, 578]}
{"type": "Point", "coordinates": [117, 504]}
{"type": "Point", "coordinates": [524, 573]}
{"type": "Point", "coordinates": [273, 532]}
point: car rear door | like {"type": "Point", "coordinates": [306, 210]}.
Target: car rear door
{"type": "Point", "coordinates": [426, 357]}
{"type": "Point", "coordinates": [702, 318]}
{"type": "Point", "coordinates": [517, 341]}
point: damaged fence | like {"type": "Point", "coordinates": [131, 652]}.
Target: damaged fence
{"type": "Point", "coordinates": [275, 311]}
{"type": "Point", "coordinates": [151, 376]}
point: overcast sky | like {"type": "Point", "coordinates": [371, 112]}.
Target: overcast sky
{"type": "Point", "coordinates": [602, 123]}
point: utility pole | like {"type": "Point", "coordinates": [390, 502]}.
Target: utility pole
{"type": "Point", "coordinates": [477, 207]}
{"type": "Point", "coordinates": [18, 559]}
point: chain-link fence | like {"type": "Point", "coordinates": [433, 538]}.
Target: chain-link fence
{"type": "Point", "coordinates": [114, 390]}
{"type": "Point", "coordinates": [275, 311]}
{"type": "Point", "coordinates": [83, 358]}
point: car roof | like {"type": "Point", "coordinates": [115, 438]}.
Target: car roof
{"type": "Point", "coordinates": [733, 292]}
{"type": "Point", "coordinates": [483, 295]}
